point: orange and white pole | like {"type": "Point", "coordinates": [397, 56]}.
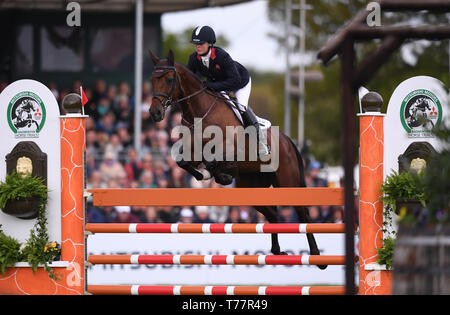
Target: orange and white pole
{"type": "Point", "coordinates": [373, 279]}
{"type": "Point", "coordinates": [73, 146]}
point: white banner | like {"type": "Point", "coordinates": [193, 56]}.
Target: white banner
{"type": "Point", "coordinates": [212, 244]}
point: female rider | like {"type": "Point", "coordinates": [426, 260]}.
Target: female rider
{"type": "Point", "coordinates": [223, 74]}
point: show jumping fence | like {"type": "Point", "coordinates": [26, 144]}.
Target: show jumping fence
{"type": "Point", "coordinates": [216, 196]}
{"type": "Point", "coordinates": [73, 145]}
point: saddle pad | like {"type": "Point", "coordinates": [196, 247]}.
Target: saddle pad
{"type": "Point", "coordinates": [263, 123]}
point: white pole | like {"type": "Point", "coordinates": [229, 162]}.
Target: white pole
{"type": "Point", "coordinates": [301, 79]}
{"type": "Point", "coordinates": [138, 75]}
{"type": "Point", "coordinates": [287, 75]}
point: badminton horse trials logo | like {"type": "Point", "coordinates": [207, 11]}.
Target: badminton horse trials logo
{"type": "Point", "coordinates": [420, 112]}
{"type": "Point", "coordinates": [26, 115]}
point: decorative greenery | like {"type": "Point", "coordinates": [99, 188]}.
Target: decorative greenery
{"type": "Point", "coordinates": [16, 187]}
{"type": "Point", "coordinates": [386, 253]}
{"type": "Point", "coordinates": [37, 250]}
{"type": "Point", "coordinates": [430, 187]}
{"type": "Point", "coordinates": [9, 251]}
{"type": "Point", "coordinates": [405, 185]}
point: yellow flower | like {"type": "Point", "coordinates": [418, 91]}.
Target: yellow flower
{"type": "Point", "coordinates": [402, 213]}
{"type": "Point", "coordinates": [49, 246]}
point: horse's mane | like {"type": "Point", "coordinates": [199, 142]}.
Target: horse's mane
{"type": "Point", "coordinates": [189, 72]}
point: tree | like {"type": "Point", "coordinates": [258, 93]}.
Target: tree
{"type": "Point", "coordinates": [322, 99]}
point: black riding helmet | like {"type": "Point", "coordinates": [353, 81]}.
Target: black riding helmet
{"type": "Point", "coordinates": [202, 34]}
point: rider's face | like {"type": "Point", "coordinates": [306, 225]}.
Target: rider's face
{"type": "Point", "coordinates": [201, 48]}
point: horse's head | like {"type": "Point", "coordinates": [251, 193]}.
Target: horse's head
{"type": "Point", "coordinates": [164, 85]}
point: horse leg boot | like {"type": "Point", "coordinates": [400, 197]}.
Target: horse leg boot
{"type": "Point", "coordinates": [249, 119]}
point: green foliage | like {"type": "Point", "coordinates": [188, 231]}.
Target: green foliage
{"type": "Point", "coordinates": [9, 251]}
{"type": "Point", "coordinates": [37, 250]}
{"type": "Point", "coordinates": [323, 99]}
{"type": "Point", "coordinates": [15, 187]}
{"type": "Point", "coordinates": [386, 253]}
{"type": "Point", "coordinates": [403, 185]}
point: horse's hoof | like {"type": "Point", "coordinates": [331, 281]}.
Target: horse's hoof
{"type": "Point", "coordinates": [198, 176]}
{"type": "Point", "coordinates": [322, 267]}
{"type": "Point", "coordinates": [224, 179]}
{"type": "Point", "coordinates": [278, 252]}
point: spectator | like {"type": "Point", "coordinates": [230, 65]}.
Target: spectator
{"type": "Point", "coordinates": [246, 214]}
{"type": "Point", "coordinates": [234, 216]}
{"type": "Point", "coordinates": [103, 107]}
{"type": "Point", "coordinates": [106, 123]}
{"type": "Point", "coordinates": [315, 179]}
{"type": "Point", "coordinates": [147, 162]}
{"type": "Point", "coordinates": [122, 180]}
{"type": "Point", "coordinates": [218, 213]}
{"type": "Point", "coordinates": [167, 214]}
{"type": "Point", "coordinates": [110, 168]}
{"type": "Point", "coordinates": [146, 180]}
{"type": "Point", "coordinates": [95, 214]}
{"type": "Point", "coordinates": [314, 214]}
{"type": "Point", "coordinates": [202, 215]}
{"type": "Point", "coordinates": [91, 164]}
{"type": "Point", "coordinates": [124, 112]}
{"type": "Point", "coordinates": [99, 91]}
{"type": "Point", "coordinates": [138, 212]}
{"type": "Point", "coordinates": [177, 178]}
{"type": "Point", "coordinates": [287, 215]}
{"type": "Point", "coordinates": [338, 214]}
{"type": "Point", "coordinates": [124, 135]}
{"type": "Point", "coordinates": [151, 216]}
{"type": "Point", "coordinates": [124, 215]}
{"type": "Point", "coordinates": [133, 167]}
{"type": "Point", "coordinates": [186, 216]}
{"type": "Point", "coordinates": [114, 146]}
{"type": "Point", "coordinates": [326, 214]}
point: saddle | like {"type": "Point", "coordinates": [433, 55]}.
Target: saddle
{"type": "Point", "coordinates": [238, 109]}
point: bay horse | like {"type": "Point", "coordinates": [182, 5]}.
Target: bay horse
{"type": "Point", "coordinates": [174, 83]}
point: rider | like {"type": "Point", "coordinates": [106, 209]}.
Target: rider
{"type": "Point", "coordinates": [224, 74]}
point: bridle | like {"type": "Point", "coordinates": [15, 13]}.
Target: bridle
{"type": "Point", "coordinates": [168, 98]}
{"type": "Point", "coordinates": [167, 101]}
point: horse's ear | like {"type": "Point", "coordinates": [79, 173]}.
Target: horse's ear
{"type": "Point", "coordinates": [154, 58]}
{"type": "Point", "coordinates": [170, 58]}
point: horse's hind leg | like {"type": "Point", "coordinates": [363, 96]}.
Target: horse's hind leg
{"type": "Point", "coordinates": [303, 216]}
{"type": "Point", "coordinates": [270, 212]}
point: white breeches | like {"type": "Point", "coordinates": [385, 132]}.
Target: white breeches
{"type": "Point", "coordinates": [243, 94]}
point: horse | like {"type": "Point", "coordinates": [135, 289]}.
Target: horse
{"type": "Point", "coordinates": [173, 83]}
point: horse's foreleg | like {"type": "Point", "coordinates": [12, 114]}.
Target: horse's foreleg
{"type": "Point", "coordinates": [190, 167]}
{"type": "Point", "coordinates": [303, 215]}
{"type": "Point", "coordinates": [187, 166]}
{"type": "Point", "coordinates": [270, 212]}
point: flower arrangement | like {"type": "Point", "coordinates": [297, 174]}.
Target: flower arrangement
{"type": "Point", "coordinates": [37, 250]}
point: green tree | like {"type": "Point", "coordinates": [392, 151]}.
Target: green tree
{"type": "Point", "coordinates": [323, 99]}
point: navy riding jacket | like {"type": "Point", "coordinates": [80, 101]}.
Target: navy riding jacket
{"type": "Point", "coordinates": [223, 74]}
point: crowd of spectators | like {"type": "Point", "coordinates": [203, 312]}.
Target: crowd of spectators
{"type": "Point", "coordinates": [113, 162]}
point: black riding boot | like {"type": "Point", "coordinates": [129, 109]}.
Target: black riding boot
{"type": "Point", "coordinates": [249, 119]}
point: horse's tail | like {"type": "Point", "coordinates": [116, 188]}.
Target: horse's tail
{"type": "Point", "coordinates": [300, 164]}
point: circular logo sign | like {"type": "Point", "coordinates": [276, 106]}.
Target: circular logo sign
{"type": "Point", "coordinates": [420, 112]}
{"type": "Point", "coordinates": [26, 115]}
